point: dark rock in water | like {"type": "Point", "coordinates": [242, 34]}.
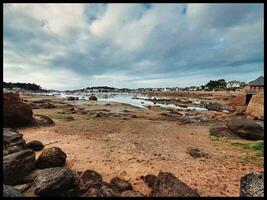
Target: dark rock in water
{"type": "Point", "coordinates": [12, 141]}
{"type": "Point", "coordinates": [90, 178]}
{"type": "Point", "coordinates": [42, 120]}
{"type": "Point", "coordinates": [16, 112]}
{"type": "Point", "coordinates": [18, 165]}
{"type": "Point", "coordinates": [121, 184]}
{"type": "Point", "coordinates": [252, 185]}
{"type": "Point", "coordinates": [51, 157]}
{"type": "Point", "coordinates": [47, 105]}
{"type": "Point", "coordinates": [167, 185]}
{"type": "Point", "coordinates": [93, 98]}
{"type": "Point", "coordinates": [9, 191]}
{"type": "Point", "coordinates": [35, 145]}
{"type": "Point", "coordinates": [131, 193]}
{"type": "Point", "coordinates": [246, 128]}
{"type": "Point", "coordinates": [196, 153]}
{"type": "Point", "coordinates": [57, 181]}
{"type": "Point", "coordinates": [108, 190]}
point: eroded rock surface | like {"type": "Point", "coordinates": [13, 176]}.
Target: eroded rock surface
{"type": "Point", "coordinates": [252, 185]}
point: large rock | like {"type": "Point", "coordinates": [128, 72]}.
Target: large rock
{"type": "Point", "coordinates": [35, 145]}
{"type": "Point", "coordinates": [252, 185]}
{"type": "Point", "coordinates": [109, 190]}
{"type": "Point", "coordinates": [16, 112]}
{"type": "Point", "coordinates": [246, 128]}
{"type": "Point", "coordinates": [42, 120]}
{"type": "Point", "coordinates": [9, 191]}
{"type": "Point", "coordinates": [57, 181]}
{"type": "Point", "coordinates": [18, 165]}
{"type": "Point", "coordinates": [256, 106]}
{"type": "Point", "coordinates": [88, 179]}
{"type": "Point", "coordinates": [222, 132]}
{"type": "Point", "coordinates": [121, 184]}
{"type": "Point", "coordinates": [167, 185]}
{"type": "Point", "coordinates": [12, 141]}
{"type": "Point", "coordinates": [51, 157]}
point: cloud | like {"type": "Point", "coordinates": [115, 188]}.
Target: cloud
{"type": "Point", "coordinates": [132, 45]}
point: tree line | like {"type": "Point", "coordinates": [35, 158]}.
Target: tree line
{"type": "Point", "coordinates": [26, 86]}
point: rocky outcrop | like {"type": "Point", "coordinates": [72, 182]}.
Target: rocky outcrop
{"type": "Point", "coordinates": [256, 106]}
{"type": "Point", "coordinates": [93, 98]}
{"type": "Point", "coordinates": [9, 191]}
{"type": "Point", "coordinates": [167, 185]}
{"type": "Point", "coordinates": [35, 145]}
{"type": "Point", "coordinates": [16, 112]}
{"type": "Point", "coordinates": [57, 181]}
{"type": "Point", "coordinates": [51, 157]}
{"type": "Point", "coordinates": [12, 141]}
{"type": "Point", "coordinates": [18, 165]}
{"type": "Point", "coordinates": [246, 128]}
{"type": "Point", "coordinates": [252, 185]}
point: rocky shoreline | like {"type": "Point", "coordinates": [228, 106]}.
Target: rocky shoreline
{"type": "Point", "coordinates": [28, 174]}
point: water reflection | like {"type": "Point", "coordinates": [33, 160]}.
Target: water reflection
{"type": "Point", "coordinates": [129, 98]}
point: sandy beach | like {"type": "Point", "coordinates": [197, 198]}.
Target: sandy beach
{"type": "Point", "coordinates": [117, 139]}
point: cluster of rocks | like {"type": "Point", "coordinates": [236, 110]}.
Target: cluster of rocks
{"type": "Point", "coordinates": [240, 126]}
{"type": "Point", "coordinates": [48, 176]}
{"type": "Point", "coordinates": [91, 98]}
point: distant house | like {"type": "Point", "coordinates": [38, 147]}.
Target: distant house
{"type": "Point", "coordinates": [233, 84]}
{"type": "Point", "coordinates": [255, 86]}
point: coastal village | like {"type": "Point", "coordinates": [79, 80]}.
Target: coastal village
{"type": "Point", "coordinates": [210, 144]}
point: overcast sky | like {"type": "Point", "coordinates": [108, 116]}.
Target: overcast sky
{"type": "Point", "coordinates": [70, 46]}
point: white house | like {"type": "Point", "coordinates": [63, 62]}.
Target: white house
{"type": "Point", "coordinates": [233, 84]}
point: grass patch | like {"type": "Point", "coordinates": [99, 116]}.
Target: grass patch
{"type": "Point", "coordinates": [215, 138]}
{"type": "Point", "coordinates": [258, 147]}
